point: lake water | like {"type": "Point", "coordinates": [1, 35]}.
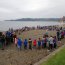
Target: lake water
{"type": "Point", "coordinates": [5, 25]}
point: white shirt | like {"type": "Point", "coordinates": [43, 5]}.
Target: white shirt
{"type": "Point", "coordinates": [51, 40]}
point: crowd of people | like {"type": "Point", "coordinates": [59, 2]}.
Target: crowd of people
{"type": "Point", "coordinates": [6, 38]}
{"type": "Point", "coordinates": [47, 41]}
{"type": "Point", "coordinates": [23, 29]}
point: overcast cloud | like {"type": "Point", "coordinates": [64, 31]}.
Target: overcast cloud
{"type": "Point", "coordinates": [12, 9]}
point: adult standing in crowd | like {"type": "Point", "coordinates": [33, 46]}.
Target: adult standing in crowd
{"type": "Point", "coordinates": [55, 41]}
{"type": "Point", "coordinates": [58, 35]}
{"type": "Point", "coordinates": [3, 41]}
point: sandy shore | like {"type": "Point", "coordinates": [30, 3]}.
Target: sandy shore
{"type": "Point", "coordinates": [35, 34]}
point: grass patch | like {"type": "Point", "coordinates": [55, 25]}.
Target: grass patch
{"type": "Point", "coordinates": [57, 59]}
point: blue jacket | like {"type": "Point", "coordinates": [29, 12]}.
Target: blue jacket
{"type": "Point", "coordinates": [19, 42]}
{"type": "Point", "coordinates": [8, 34]}
{"type": "Point", "coordinates": [39, 43]}
{"type": "Point", "coordinates": [25, 42]}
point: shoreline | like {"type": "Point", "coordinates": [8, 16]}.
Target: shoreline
{"type": "Point", "coordinates": [15, 28]}
{"type": "Point", "coordinates": [34, 27]}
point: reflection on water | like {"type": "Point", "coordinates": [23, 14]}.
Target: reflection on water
{"type": "Point", "coordinates": [5, 25]}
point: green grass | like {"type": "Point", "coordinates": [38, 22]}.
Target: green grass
{"type": "Point", "coordinates": [57, 59]}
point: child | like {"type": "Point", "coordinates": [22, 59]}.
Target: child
{"type": "Point", "coordinates": [15, 41]}
{"type": "Point", "coordinates": [30, 43]}
{"type": "Point", "coordinates": [39, 43]}
{"type": "Point", "coordinates": [25, 43]}
{"type": "Point", "coordinates": [34, 43]}
{"type": "Point", "coordinates": [19, 43]}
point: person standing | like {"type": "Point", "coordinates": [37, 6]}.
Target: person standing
{"type": "Point", "coordinates": [45, 42]}
{"type": "Point", "coordinates": [34, 43]}
{"type": "Point", "coordinates": [55, 41]}
{"type": "Point", "coordinates": [25, 44]}
{"type": "Point", "coordinates": [51, 42]}
{"type": "Point", "coordinates": [14, 36]}
{"type": "Point", "coordinates": [30, 43]}
{"type": "Point", "coordinates": [19, 44]}
{"type": "Point", "coordinates": [3, 41]}
{"type": "Point", "coordinates": [15, 41]}
{"type": "Point", "coordinates": [58, 35]}
{"type": "Point", "coordinates": [39, 43]}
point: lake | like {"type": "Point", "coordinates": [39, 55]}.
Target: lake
{"type": "Point", "coordinates": [5, 25]}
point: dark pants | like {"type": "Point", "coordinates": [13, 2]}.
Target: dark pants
{"type": "Point", "coordinates": [44, 45]}
{"type": "Point", "coordinates": [11, 39]}
{"type": "Point", "coordinates": [59, 39]}
{"type": "Point", "coordinates": [51, 46]}
{"type": "Point", "coordinates": [25, 46]}
{"type": "Point", "coordinates": [7, 40]}
{"type": "Point", "coordinates": [30, 46]}
{"type": "Point", "coordinates": [55, 45]}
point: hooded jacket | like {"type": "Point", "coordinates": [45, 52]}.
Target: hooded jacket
{"type": "Point", "coordinates": [19, 42]}
{"type": "Point", "coordinates": [25, 42]}
{"type": "Point", "coordinates": [34, 42]}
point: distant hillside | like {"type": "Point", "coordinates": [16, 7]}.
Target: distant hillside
{"type": "Point", "coordinates": [36, 19]}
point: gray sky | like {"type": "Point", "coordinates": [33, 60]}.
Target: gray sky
{"type": "Point", "coordinates": [12, 9]}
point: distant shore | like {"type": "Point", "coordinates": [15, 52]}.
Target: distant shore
{"type": "Point", "coordinates": [36, 19]}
